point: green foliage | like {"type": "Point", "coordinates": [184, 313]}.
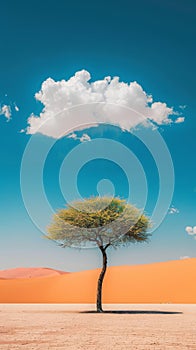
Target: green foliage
{"type": "Point", "coordinates": [99, 220]}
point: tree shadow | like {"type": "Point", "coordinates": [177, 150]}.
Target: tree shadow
{"type": "Point", "coordinates": [133, 312]}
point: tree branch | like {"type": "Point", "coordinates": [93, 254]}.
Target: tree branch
{"type": "Point", "coordinates": [106, 246]}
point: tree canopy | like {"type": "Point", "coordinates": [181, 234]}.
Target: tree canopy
{"type": "Point", "coordinates": [100, 221]}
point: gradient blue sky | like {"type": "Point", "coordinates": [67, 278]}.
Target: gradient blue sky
{"type": "Point", "coordinates": [148, 41]}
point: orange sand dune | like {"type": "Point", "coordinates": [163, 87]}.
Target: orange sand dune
{"type": "Point", "coordinates": [167, 282]}
{"type": "Point", "coordinates": [24, 272]}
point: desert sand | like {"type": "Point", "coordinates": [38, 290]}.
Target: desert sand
{"type": "Point", "coordinates": [61, 327]}
{"type": "Point", "coordinates": [167, 282]}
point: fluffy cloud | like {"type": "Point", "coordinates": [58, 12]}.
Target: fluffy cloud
{"type": "Point", "coordinates": [6, 111]}
{"type": "Point", "coordinates": [184, 257]}
{"type": "Point", "coordinates": [103, 101]}
{"type": "Point", "coordinates": [191, 230]}
{"type": "Point", "coordinates": [173, 210]}
{"type": "Point", "coordinates": [83, 138]}
{"type": "Point", "coordinates": [179, 120]}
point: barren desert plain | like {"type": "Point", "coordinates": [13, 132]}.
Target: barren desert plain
{"type": "Point", "coordinates": [149, 307]}
{"type": "Point", "coordinates": [63, 326]}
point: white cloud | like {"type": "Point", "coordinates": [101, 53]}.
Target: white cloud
{"type": "Point", "coordinates": [191, 230]}
{"type": "Point", "coordinates": [103, 101]}
{"type": "Point", "coordinates": [16, 108]}
{"type": "Point", "coordinates": [184, 257]}
{"type": "Point", "coordinates": [73, 136]}
{"type": "Point", "coordinates": [173, 210]}
{"type": "Point", "coordinates": [179, 120]}
{"type": "Point", "coordinates": [83, 138]}
{"type": "Point", "coordinates": [6, 111]}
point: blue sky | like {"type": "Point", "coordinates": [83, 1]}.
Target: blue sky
{"type": "Point", "coordinates": [149, 42]}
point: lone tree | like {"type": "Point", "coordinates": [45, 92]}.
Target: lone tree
{"type": "Point", "coordinates": [99, 221]}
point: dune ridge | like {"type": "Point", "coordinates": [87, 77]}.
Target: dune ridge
{"type": "Point", "coordinates": [166, 282]}
{"type": "Point", "coordinates": [29, 272]}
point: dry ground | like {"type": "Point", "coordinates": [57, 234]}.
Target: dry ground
{"type": "Point", "coordinates": [63, 326]}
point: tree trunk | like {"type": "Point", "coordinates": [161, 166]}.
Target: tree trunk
{"type": "Point", "coordinates": [100, 280]}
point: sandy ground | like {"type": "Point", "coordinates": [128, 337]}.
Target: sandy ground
{"type": "Point", "coordinates": [63, 326]}
{"type": "Point", "coordinates": [170, 282]}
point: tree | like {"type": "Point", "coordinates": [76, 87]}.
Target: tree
{"type": "Point", "coordinates": [102, 222]}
